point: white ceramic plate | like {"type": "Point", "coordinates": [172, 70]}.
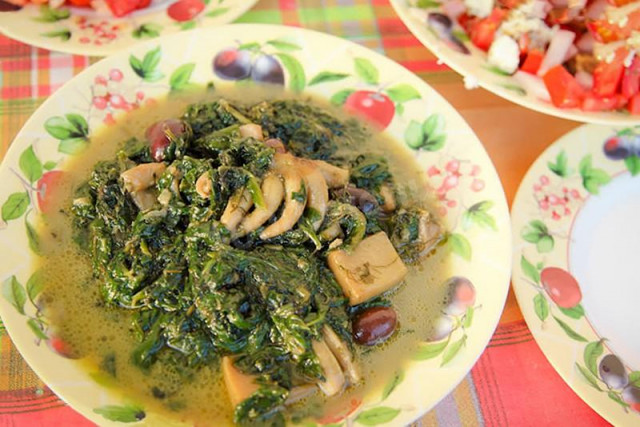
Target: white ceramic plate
{"type": "Point", "coordinates": [473, 204]}
{"type": "Point", "coordinates": [84, 31]}
{"type": "Point", "coordinates": [575, 222]}
{"type": "Point", "coordinates": [473, 66]}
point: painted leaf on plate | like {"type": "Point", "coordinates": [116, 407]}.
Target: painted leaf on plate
{"type": "Point", "coordinates": [468, 317]}
{"type": "Point", "coordinates": [179, 79]}
{"type": "Point", "coordinates": [592, 178]}
{"type": "Point", "coordinates": [284, 45]}
{"type": "Point", "coordinates": [575, 312]}
{"type": "Point", "coordinates": [14, 293]}
{"type": "Point", "coordinates": [216, 12]}
{"type": "Point", "coordinates": [428, 351]}
{"type": "Point", "coordinates": [541, 306]}
{"type": "Point", "coordinates": [32, 236]}
{"type": "Point", "coordinates": [633, 164]}
{"type": "Point", "coordinates": [123, 414]}
{"type": "Point", "coordinates": [588, 376]}
{"type": "Point", "coordinates": [30, 165]}
{"type": "Point", "coordinates": [297, 78]}
{"type": "Point", "coordinates": [537, 232]}
{"type": "Point", "coordinates": [529, 270]}
{"type": "Point", "coordinates": [459, 245]}
{"type": "Point", "coordinates": [37, 328]}
{"type": "Point", "coordinates": [478, 215]}
{"type": "Point", "coordinates": [453, 350]}
{"type": "Point", "coordinates": [392, 384]}
{"type": "Point", "coordinates": [402, 93]}
{"type": "Point", "coordinates": [376, 416]}
{"type": "Point", "coordinates": [147, 31]}
{"type": "Point", "coordinates": [341, 96]}
{"type": "Point", "coordinates": [592, 352]}
{"type": "Point", "coordinates": [366, 71]}
{"type": "Point", "coordinates": [15, 206]}
{"type": "Point", "coordinates": [560, 166]}
{"type": "Point", "coordinates": [327, 76]}
{"type": "Point", "coordinates": [569, 331]}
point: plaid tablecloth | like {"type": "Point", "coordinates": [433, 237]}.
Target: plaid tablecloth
{"type": "Point", "coordinates": [511, 385]}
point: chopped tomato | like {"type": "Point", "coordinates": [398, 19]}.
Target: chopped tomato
{"type": "Point", "coordinates": [143, 3]}
{"type": "Point", "coordinates": [563, 88]}
{"type": "Point", "coordinates": [532, 62]}
{"type": "Point", "coordinates": [80, 3]}
{"type": "Point", "coordinates": [122, 7]}
{"type": "Point", "coordinates": [631, 79]}
{"type": "Point", "coordinates": [604, 31]}
{"type": "Point", "coordinates": [634, 104]}
{"type": "Point", "coordinates": [523, 43]}
{"type": "Point", "coordinates": [619, 2]}
{"type": "Point", "coordinates": [483, 31]}
{"type": "Point", "coordinates": [593, 102]}
{"type": "Point", "coordinates": [608, 75]}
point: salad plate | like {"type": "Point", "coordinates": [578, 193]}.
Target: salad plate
{"type": "Point", "coordinates": [96, 32]}
{"type": "Point", "coordinates": [432, 23]}
{"type": "Point", "coordinates": [416, 119]}
{"type": "Point", "coordinates": [574, 270]}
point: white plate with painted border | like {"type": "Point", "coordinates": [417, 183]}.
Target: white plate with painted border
{"type": "Point", "coordinates": [472, 64]}
{"type": "Point", "coordinates": [576, 244]}
{"type": "Point", "coordinates": [84, 31]}
{"type": "Point", "coordinates": [473, 205]}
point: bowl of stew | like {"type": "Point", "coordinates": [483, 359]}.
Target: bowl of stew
{"type": "Point", "coordinates": [246, 225]}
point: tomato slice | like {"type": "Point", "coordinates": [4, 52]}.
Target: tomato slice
{"type": "Point", "coordinates": [619, 2]}
{"type": "Point", "coordinates": [563, 88]}
{"type": "Point", "coordinates": [634, 104]}
{"type": "Point", "coordinates": [631, 79]}
{"type": "Point", "coordinates": [484, 30]}
{"type": "Point", "coordinates": [604, 31]}
{"type": "Point", "coordinates": [80, 3]}
{"type": "Point", "coordinates": [607, 76]}
{"type": "Point", "coordinates": [593, 102]}
{"type": "Point", "coordinates": [532, 62]}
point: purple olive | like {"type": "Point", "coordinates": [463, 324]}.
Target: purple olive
{"type": "Point", "coordinates": [267, 70]}
{"type": "Point", "coordinates": [232, 64]}
{"type": "Point", "coordinates": [612, 372]}
{"type": "Point", "coordinates": [158, 135]}
{"type": "Point", "coordinates": [362, 199]}
{"type": "Point", "coordinates": [374, 325]}
{"type": "Point", "coordinates": [442, 26]}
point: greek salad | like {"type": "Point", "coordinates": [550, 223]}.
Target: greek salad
{"type": "Point", "coordinates": [574, 53]}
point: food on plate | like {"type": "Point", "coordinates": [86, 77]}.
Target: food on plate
{"type": "Point", "coordinates": [574, 53]}
{"type": "Point", "coordinates": [118, 8]}
{"type": "Point", "coordinates": [242, 262]}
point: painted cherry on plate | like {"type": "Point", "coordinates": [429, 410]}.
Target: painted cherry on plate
{"type": "Point", "coordinates": [45, 187]}
{"type": "Point", "coordinates": [376, 107]}
{"type": "Point", "coordinates": [185, 10]}
{"type": "Point", "coordinates": [461, 295]}
{"type": "Point", "coordinates": [561, 287]}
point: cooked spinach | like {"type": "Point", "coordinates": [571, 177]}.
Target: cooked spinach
{"type": "Point", "coordinates": [197, 292]}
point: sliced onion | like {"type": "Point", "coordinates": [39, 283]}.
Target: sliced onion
{"type": "Point", "coordinates": [596, 9]}
{"type": "Point", "coordinates": [533, 85]}
{"type": "Point", "coordinates": [577, 4]}
{"type": "Point", "coordinates": [585, 43]}
{"type": "Point", "coordinates": [584, 79]}
{"type": "Point", "coordinates": [453, 9]}
{"type": "Point", "coordinates": [573, 50]}
{"type": "Point", "coordinates": [558, 49]}
{"type": "Point", "coordinates": [540, 9]}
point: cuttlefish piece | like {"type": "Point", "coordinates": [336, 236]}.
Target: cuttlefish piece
{"type": "Point", "coordinates": [342, 354]}
{"type": "Point", "coordinates": [273, 193]}
{"type": "Point", "coordinates": [317, 190]}
{"type": "Point", "coordinates": [293, 207]}
{"type": "Point", "coordinates": [142, 176]}
{"type": "Point", "coordinates": [334, 175]}
{"type": "Point", "coordinates": [237, 207]}
{"type": "Point", "coordinates": [333, 377]}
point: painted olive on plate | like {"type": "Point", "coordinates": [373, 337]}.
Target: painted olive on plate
{"type": "Point", "coordinates": [374, 325]}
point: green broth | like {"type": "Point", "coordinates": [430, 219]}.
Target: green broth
{"type": "Point", "coordinates": [74, 306]}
